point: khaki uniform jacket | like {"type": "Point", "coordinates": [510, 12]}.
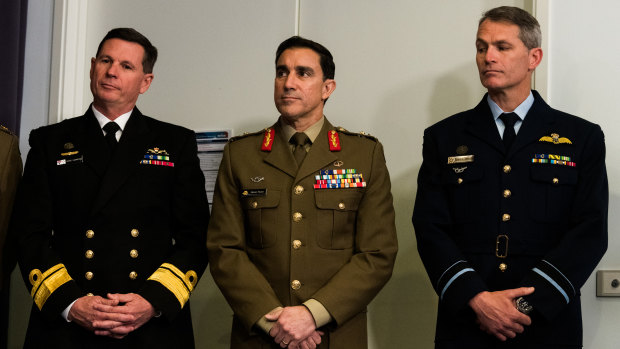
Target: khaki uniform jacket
{"type": "Point", "coordinates": [10, 172]}
{"type": "Point", "coordinates": [274, 240]}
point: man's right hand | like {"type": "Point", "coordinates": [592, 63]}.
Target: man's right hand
{"type": "Point", "coordinates": [83, 312]}
{"type": "Point", "coordinates": [497, 314]}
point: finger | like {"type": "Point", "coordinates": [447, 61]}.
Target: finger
{"type": "Point", "coordinates": [274, 314]}
{"type": "Point", "coordinates": [122, 330]}
{"type": "Point", "coordinates": [275, 331]}
{"type": "Point", "coordinates": [306, 345]}
{"type": "Point", "coordinates": [315, 337]}
{"type": "Point", "coordinates": [524, 319]}
{"type": "Point", "coordinates": [500, 336]}
{"type": "Point", "coordinates": [520, 292]}
{"type": "Point", "coordinates": [106, 325]}
{"type": "Point", "coordinates": [120, 317]}
{"type": "Point", "coordinates": [122, 297]}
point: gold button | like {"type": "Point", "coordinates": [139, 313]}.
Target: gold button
{"type": "Point", "coordinates": [89, 275]}
{"type": "Point", "coordinates": [89, 254]}
{"type": "Point", "coordinates": [133, 275]}
{"type": "Point", "coordinates": [459, 181]}
{"type": "Point", "coordinates": [296, 244]}
{"type": "Point", "coordinates": [503, 267]}
{"type": "Point", "coordinates": [89, 294]}
{"type": "Point", "coordinates": [135, 232]}
{"type": "Point", "coordinates": [507, 168]}
{"type": "Point", "coordinates": [297, 217]}
{"type": "Point", "coordinates": [299, 189]}
{"type": "Point", "coordinates": [90, 234]}
{"type": "Point", "coordinates": [505, 217]}
{"type": "Point", "coordinates": [507, 193]}
{"type": "Point", "coordinates": [556, 181]}
{"type": "Point", "coordinates": [296, 285]}
{"type": "Point", "coordinates": [133, 253]}
{"type": "Point", "coordinates": [341, 206]}
{"type": "Point", "coordinates": [254, 204]}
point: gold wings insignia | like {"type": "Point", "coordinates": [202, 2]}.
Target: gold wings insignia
{"type": "Point", "coordinates": [555, 139]}
{"type": "Point", "coordinates": [564, 140]}
{"type": "Point", "coordinates": [546, 139]}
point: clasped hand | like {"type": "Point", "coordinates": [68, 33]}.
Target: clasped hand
{"type": "Point", "coordinates": [115, 316]}
{"type": "Point", "coordinates": [294, 328]}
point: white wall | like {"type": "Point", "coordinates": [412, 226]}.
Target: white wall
{"type": "Point", "coordinates": [401, 66]}
{"type": "Point", "coordinates": [584, 69]}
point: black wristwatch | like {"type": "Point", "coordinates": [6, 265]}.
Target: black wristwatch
{"type": "Point", "coordinates": [523, 306]}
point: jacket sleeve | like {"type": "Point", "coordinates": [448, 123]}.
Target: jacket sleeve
{"type": "Point", "coordinates": [168, 289]}
{"type": "Point", "coordinates": [451, 275]}
{"type": "Point", "coordinates": [374, 253]}
{"type": "Point", "coordinates": [565, 268]}
{"type": "Point", "coordinates": [51, 287]}
{"type": "Point", "coordinates": [242, 284]}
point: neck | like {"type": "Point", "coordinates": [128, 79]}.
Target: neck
{"type": "Point", "coordinates": [509, 100]}
{"type": "Point", "coordinates": [111, 112]}
{"type": "Point", "coordinates": [303, 123]}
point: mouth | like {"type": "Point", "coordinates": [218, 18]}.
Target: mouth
{"type": "Point", "coordinates": [108, 86]}
{"type": "Point", "coordinates": [490, 71]}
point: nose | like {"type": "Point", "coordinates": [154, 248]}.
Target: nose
{"type": "Point", "coordinates": [290, 81]}
{"type": "Point", "coordinates": [490, 55]}
{"type": "Point", "coordinates": [112, 70]}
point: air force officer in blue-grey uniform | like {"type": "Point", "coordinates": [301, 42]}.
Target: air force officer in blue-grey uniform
{"type": "Point", "coordinates": [511, 210]}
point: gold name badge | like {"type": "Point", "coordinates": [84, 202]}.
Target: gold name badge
{"type": "Point", "coordinates": [460, 159]}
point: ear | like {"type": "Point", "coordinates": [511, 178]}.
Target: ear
{"type": "Point", "coordinates": [535, 57]}
{"type": "Point", "coordinates": [329, 86]}
{"type": "Point", "coordinates": [92, 67]}
{"type": "Point", "coordinates": [146, 82]}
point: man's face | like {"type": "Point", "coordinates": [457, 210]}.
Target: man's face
{"type": "Point", "coordinates": [116, 75]}
{"type": "Point", "coordinates": [503, 60]}
{"type": "Point", "coordinates": [299, 89]}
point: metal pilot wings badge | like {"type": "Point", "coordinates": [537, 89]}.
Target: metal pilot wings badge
{"type": "Point", "coordinates": [555, 139]}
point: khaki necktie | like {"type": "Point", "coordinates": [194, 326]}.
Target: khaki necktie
{"type": "Point", "coordinates": [299, 139]}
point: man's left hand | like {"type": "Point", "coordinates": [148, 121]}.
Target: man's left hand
{"type": "Point", "coordinates": [293, 325]}
{"type": "Point", "coordinates": [141, 310]}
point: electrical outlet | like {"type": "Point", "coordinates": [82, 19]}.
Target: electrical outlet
{"type": "Point", "coordinates": [608, 283]}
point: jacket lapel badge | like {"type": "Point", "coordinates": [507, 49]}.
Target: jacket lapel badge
{"type": "Point", "coordinates": [555, 139]}
{"type": "Point", "coordinates": [158, 157]}
{"type": "Point", "coordinates": [339, 179]}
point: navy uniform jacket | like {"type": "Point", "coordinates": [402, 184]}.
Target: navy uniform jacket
{"type": "Point", "coordinates": [544, 219]}
{"type": "Point", "coordinates": [91, 222]}
{"type": "Point", "coordinates": [276, 240]}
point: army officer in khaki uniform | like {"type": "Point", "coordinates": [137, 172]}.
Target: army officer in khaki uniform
{"type": "Point", "coordinates": [302, 235]}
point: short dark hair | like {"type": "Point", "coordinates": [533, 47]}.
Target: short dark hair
{"type": "Point", "coordinates": [326, 60]}
{"type": "Point", "coordinates": [529, 29]}
{"type": "Point", "coordinates": [132, 35]}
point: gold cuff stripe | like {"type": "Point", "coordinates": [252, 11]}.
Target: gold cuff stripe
{"type": "Point", "coordinates": [181, 285]}
{"type": "Point", "coordinates": [43, 285]}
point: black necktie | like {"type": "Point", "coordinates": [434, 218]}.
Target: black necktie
{"type": "Point", "coordinates": [509, 120]}
{"type": "Point", "coordinates": [299, 139]}
{"type": "Point", "coordinates": [110, 134]}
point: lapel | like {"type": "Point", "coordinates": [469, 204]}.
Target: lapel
{"type": "Point", "coordinates": [280, 155]}
{"type": "Point", "coordinates": [538, 119]}
{"type": "Point", "coordinates": [480, 123]}
{"type": "Point", "coordinates": [94, 147]}
{"type": "Point", "coordinates": [319, 155]}
{"type": "Point", "coordinates": [126, 157]}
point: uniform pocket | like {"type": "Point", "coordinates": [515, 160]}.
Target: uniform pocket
{"type": "Point", "coordinates": [551, 192]}
{"type": "Point", "coordinates": [261, 219]}
{"type": "Point", "coordinates": [336, 217]}
{"type": "Point", "coordinates": [464, 188]}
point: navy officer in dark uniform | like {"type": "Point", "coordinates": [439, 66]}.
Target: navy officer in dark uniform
{"type": "Point", "coordinates": [511, 210]}
{"type": "Point", "coordinates": [111, 216]}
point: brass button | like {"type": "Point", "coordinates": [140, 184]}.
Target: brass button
{"type": "Point", "coordinates": [90, 234]}
{"type": "Point", "coordinates": [89, 294]}
{"type": "Point", "coordinates": [135, 232]}
{"type": "Point", "coordinates": [133, 253]}
{"type": "Point", "coordinates": [254, 204]}
{"type": "Point", "coordinates": [298, 189]}
{"type": "Point", "coordinates": [297, 217]}
{"type": "Point", "coordinates": [296, 285]}
{"type": "Point", "coordinates": [89, 254]}
{"type": "Point", "coordinates": [503, 267]}
{"type": "Point", "coordinates": [341, 206]}
{"type": "Point", "coordinates": [296, 244]}
{"type": "Point", "coordinates": [133, 275]}
{"type": "Point", "coordinates": [556, 181]}
{"type": "Point", "coordinates": [89, 275]}
{"type": "Point", "coordinates": [507, 168]}
{"type": "Point", "coordinates": [507, 193]}
{"type": "Point", "coordinates": [459, 181]}
{"type": "Point", "coordinates": [505, 217]}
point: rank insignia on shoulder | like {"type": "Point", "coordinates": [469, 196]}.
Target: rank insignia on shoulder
{"type": "Point", "coordinates": [339, 179]}
{"type": "Point", "coordinates": [251, 193]}
{"type": "Point", "coordinates": [334, 140]}
{"type": "Point", "coordinates": [555, 139]}
{"type": "Point", "coordinates": [4, 129]}
{"type": "Point", "coordinates": [460, 159]}
{"type": "Point", "coordinates": [268, 139]}
{"type": "Point", "coordinates": [158, 157]}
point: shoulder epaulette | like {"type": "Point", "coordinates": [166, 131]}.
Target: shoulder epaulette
{"type": "Point", "coordinates": [5, 130]}
{"type": "Point", "coordinates": [246, 134]}
{"type": "Point", "coordinates": [359, 134]}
